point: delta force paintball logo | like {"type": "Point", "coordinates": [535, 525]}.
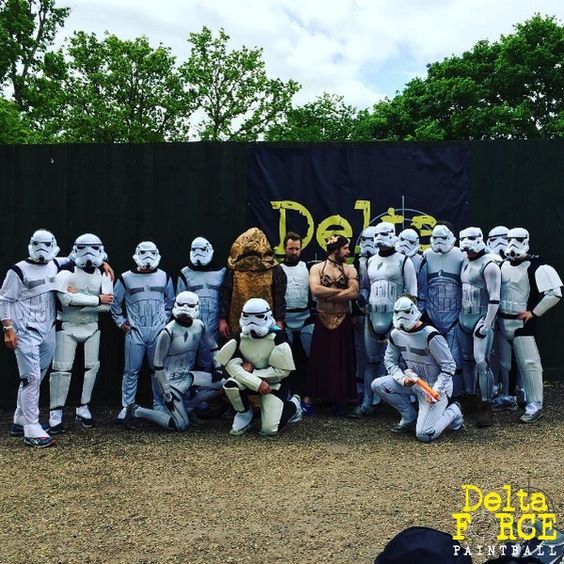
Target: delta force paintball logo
{"type": "Point", "coordinates": [511, 521]}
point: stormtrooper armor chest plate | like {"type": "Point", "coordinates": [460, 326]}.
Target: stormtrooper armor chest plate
{"type": "Point", "coordinates": [36, 306]}
{"type": "Point", "coordinates": [386, 281]}
{"type": "Point", "coordinates": [257, 351]}
{"type": "Point", "coordinates": [444, 288]}
{"type": "Point", "coordinates": [183, 348]}
{"type": "Point", "coordinates": [298, 285]}
{"type": "Point", "coordinates": [415, 351]}
{"type": "Point", "coordinates": [85, 283]}
{"type": "Point", "coordinates": [474, 291]}
{"type": "Point", "coordinates": [206, 284]}
{"type": "Point", "coordinates": [297, 295]}
{"type": "Point", "coordinates": [145, 298]}
{"type": "Point", "coordinates": [515, 287]}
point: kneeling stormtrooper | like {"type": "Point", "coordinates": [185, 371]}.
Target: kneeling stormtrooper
{"type": "Point", "coordinates": [258, 362]}
{"type": "Point", "coordinates": [425, 353]}
{"type": "Point", "coordinates": [182, 346]}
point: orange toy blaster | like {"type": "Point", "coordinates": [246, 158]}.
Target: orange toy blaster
{"type": "Point", "coordinates": [422, 384]}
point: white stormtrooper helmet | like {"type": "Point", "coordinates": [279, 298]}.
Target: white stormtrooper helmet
{"type": "Point", "coordinates": [385, 235]}
{"type": "Point", "coordinates": [408, 243]}
{"type": "Point", "coordinates": [42, 246]}
{"type": "Point", "coordinates": [442, 239]}
{"type": "Point", "coordinates": [367, 246]}
{"type": "Point", "coordinates": [88, 251]}
{"type": "Point", "coordinates": [186, 307]}
{"type": "Point", "coordinates": [497, 239]}
{"type": "Point", "coordinates": [256, 318]}
{"type": "Point", "coordinates": [472, 240]}
{"type": "Point", "coordinates": [147, 255]}
{"type": "Point", "coordinates": [406, 314]}
{"type": "Point", "coordinates": [201, 252]}
{"type": "Point", "coordinates": [518, 243]}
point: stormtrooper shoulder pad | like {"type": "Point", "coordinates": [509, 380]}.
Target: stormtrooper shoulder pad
{"type": "Point", "coordinates": [226, 352]}
{"type": "Point", "coordinates": [547, 278]}
{"type": "Point", "coordinates": [281, 357]}
{"type": "Point", "coordinates": [61, 282]}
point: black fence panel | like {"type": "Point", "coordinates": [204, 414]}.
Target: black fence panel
{"type": "Point", "coordinates": [521, 184]}
{"type": "Point", "coordinates": [174, 192]}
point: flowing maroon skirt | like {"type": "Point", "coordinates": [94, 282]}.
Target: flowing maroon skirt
{"type": "Point", "coordinates": [331, 370]}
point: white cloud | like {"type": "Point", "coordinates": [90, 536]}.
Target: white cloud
{"type": "Point", "coordinates": [361, 49]}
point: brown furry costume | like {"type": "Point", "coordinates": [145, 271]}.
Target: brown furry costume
{"type": "Point", "coordinates": [253, 272]}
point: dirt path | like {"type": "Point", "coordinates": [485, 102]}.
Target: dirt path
{"type": "Point", "coordinates": [327, 490]}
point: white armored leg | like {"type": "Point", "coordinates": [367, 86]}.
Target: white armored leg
{"type": "Point", "coordinates": [236, 394]}
{"type": "Point", "coordinates": [206, 389]}
{"type": "Point", "coordinates": [529, 362]}
{"type": "Point", "coordinates": [505, 348]}
{"type": "Point", "coordinates": [482, 350]}
{"type": "Point", "coordinates": [271, 408]}
{"type": "Point", "coordinates": [454, 346]}
{"type": "Point", "coordinates": [59, 381]}
{"type": "Point", "coordinates": [434, 418]}
{"type": "Point", "coordinates": [27, 357]}
{"type": "Point", "coordinates": [178, 413]}
{"type": "Point", "coordinates": [397, 396]}
{"type": "Point", "coordinates": [134, 351]}
{"type": "Point", "coordinates": [91, 365]}
{"type": "Point", "coordinates": [161, 418]}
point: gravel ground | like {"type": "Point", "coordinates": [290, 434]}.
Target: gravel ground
{"type": "Point", "coordinates": [326, 490]}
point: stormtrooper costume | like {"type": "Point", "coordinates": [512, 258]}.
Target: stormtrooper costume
{"type": "Point", "coordinates": [27, 306]}
{"type": "Point", "coordinates": [408, 245]}
{"type": "Point", "coordinates": [202, 277]}
{"type": "Point", "coordinates": [425, 352]}
{"type": "Point", "coordinates": [80, 287]}
{"type": "Point", "coordinates": [440, 292]}
{"type": "Point", "coordinates": [367, 249]}
{"type": "Point", "coordinates": [183, 358]}
{"type": "Point", "coordinates": [143, 300]}
{"type": "Point", "coordinates": [389, 275]}
{"type": "Point", "coordinates": [527, 285]}
{"type": "Point", "coordinates": [496, 243]}
{"type": "Point", "coordinates": [259, 361]}
{"type": "Point", "coordinates": [481, 281]}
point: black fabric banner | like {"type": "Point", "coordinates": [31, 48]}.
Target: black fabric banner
{"type": "Point", "coordinates": [325, 189]}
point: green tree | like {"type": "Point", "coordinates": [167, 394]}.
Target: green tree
{"type": "Point", "coordinates": [109, 90]}
{"type": "Point", "coordinates": [232, 90]}
{"type": "Point", "coordinates": [27, 30]}
{"type": "Point", "coordinates": [512, 88]}
{"type": "Point", "coordinates": [12, 127]}
{"type": "Point", "coordinates": [325, 119]}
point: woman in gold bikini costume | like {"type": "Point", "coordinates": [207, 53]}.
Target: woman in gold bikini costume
{"type": "Point", "coordinates": [332, 365]}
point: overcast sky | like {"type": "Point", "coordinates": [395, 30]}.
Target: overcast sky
{"type": "Point", "coordinates": [361, 49]}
